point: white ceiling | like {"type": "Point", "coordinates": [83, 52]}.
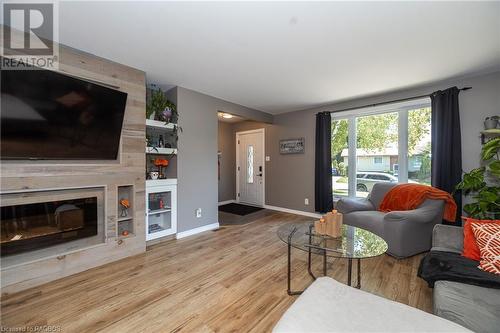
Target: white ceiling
{"type": "Point", "coordinates": [279, 57]}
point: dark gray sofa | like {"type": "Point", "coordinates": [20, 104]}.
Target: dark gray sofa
{"type": "Point", "coordinates": [406, 232]}
{"type": "Point", "coordinates": [476, 308]}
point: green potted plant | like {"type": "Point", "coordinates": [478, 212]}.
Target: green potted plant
{"type": "Point", "coordinates": [483, 184]}
{"type": "Point", "coordinates": [159, 107]}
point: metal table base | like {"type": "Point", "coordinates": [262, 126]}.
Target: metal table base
{"type": "Point", "coordinates": [309, 268]}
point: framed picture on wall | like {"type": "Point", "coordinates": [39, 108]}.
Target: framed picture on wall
{"type": "Point", "coordinates": [292, 146]}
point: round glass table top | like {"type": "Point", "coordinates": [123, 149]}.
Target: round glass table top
{"type": "Point", "coordinates": [355, 243]}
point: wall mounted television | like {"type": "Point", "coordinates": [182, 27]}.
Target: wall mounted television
{"type": "Point", "coordinates": [50, 116]}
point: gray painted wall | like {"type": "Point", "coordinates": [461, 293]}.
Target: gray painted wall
{"type": "Point", "coordinates": [290, 178]}
{"type": "Point", "coordinates": [227, 159]}
{"type": "Point", "coordinates": [197, 157]}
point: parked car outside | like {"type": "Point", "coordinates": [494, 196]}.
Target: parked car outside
{"type": "Point", "coordinates": [366, 180]}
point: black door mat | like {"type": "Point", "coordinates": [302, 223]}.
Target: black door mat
{"type": "Point", "coordinates": [239, 209]}
{"type": "Point", "coordinates": [228, 219]}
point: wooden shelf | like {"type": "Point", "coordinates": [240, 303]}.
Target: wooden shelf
{"type": "Point", "coordinates": [159, 211]}
{"type": "Point", "coordinates": [131, 234]}
{"type": "Point", "coordinates": [161, 151]}
{"type": "Point", "coordinates": [159, 124]}
{"type": "Point", "coordinates": [160, 182]}
{"type": "Point", "coordinates": [490, 134]}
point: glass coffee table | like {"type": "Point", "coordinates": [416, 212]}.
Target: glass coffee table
{"type": "Point", "coordinates": [354, 244]}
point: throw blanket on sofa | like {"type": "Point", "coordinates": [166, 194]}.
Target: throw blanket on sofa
{"type": "Point", "coordinates": [438, 265]}
{"type": "Point", "coordinates": [410, 196]}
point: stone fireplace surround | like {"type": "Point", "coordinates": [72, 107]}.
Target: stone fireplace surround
{"type": "Point", "coordinates": [107, 176]}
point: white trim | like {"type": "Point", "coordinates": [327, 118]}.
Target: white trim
{"type": "Point", "coordinates": [403, 146]}
{"type": "Point", "coordinates": [352, 164]}
{"type": "Point", "coordinates": [293, 211]}
{"type": "Point", "coordinates": [198, 230]}
{"type": "Point", "coordinates": [259, 130]}
{"type": "Point", "coordinates": [222, 203]}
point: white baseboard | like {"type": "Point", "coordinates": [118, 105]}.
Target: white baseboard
{"type": "Point", "coordinates": [195, 231]}
{"type": "Point", "coordinates": [226, 202]}
{"type": "Point", "coordinates": [293, 211]}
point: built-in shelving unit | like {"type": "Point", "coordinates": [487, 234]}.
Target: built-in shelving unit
{"type": "Point", "coordinates": [125, 217]}
{"type": "Point", "coordinates": [161, 193]}
{"type": "Point", "coordinates": [161, 208]}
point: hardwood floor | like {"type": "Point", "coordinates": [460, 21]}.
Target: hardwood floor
{"type": "Point", "coordinates": [230, 280]}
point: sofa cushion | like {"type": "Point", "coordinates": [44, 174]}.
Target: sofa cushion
{"type": "Point", "coordinates": [471, 250]}
{"type": "Point", "coordinates": [378, 192]}
{"type": "Point", "coordinates": [369, 220]}
{"type": "Point", "coordinates": [330, 306]}
{"type": "Point", "coordinates": [488, 240]}
{"type": "Point", "coordinates": [476, 308]}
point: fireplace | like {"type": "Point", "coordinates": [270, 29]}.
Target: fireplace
{"type": "Point", "coordinates": [50, 223]}
{"type": "Point", "coordinates": [34, 226]}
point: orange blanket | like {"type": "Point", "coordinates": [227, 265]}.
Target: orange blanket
{"type": "Point", "coordinates": [410, 196]}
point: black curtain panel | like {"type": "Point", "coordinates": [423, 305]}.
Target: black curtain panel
{"type": "Point", "coordinates": [323, 199]}
{"type": "Point", "coordinates": [446, 143]}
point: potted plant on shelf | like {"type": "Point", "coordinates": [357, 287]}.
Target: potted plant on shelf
{"type": "Point", "coordinates": [483, 184]}
{"type": "Point", "coordinates": [159, 107]}
{"type": "Point", "coordinates": [491, 122]}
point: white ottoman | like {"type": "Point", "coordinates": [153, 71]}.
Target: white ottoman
{"type": "Point", "coordinates": [330, 306]}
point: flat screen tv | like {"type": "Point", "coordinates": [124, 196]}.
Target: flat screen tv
{"type": "Point", "coordinates": [48, 115]}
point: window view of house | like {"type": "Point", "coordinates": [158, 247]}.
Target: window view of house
{"type": "Point", "coordinates": [419, 145]}
{"type": "Point", "coordinates": [339, 157]}
{"type": "Point", "coordinates": [377, 151]}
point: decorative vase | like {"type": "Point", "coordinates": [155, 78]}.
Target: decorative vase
{"type": "Point", "coordinates": [490, 123]}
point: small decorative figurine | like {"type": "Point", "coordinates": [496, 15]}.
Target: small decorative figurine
{"type": "Point", "coordinates": [125, 204]}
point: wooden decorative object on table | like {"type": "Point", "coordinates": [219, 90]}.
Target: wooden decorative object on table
{"type": "Point", "coordinates": [333, 221]}
{"type": "Point", "coordinates": [320, 226]}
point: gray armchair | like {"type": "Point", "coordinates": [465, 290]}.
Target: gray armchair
{"type": "Point", "coordinates": [406, 232]}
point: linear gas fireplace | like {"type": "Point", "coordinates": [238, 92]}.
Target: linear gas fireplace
{"type": "Point", "coordinates": [34, 226]}
{"type": "Point", "coordinates": [40, 224]}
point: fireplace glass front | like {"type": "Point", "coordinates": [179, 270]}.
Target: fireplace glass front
{"type": "Point", "coordinates": [34, 226]}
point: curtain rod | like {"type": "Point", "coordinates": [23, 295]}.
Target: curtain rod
{"type": "Point", "coordinates": [389, 102]}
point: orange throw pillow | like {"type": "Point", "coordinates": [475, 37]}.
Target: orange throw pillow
{"type": "Point", "coordinates": [471, 250]}
{"type": "Point", "coordinates": [488, 240]}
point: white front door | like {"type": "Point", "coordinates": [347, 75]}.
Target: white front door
{"type": "Point", "coordinates": [250, 167]}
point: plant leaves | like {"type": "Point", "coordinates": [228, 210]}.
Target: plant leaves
{"type": "Point", "coordinates": [494, 168]}
{"type": "Point", "coordinates": [490, 149]}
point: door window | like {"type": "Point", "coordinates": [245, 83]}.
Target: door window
{"type": "Point", "coordinates": [250, 154]}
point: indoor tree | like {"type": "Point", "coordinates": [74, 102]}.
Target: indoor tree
{"type": "Point", "coordinates": [483, 184]}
